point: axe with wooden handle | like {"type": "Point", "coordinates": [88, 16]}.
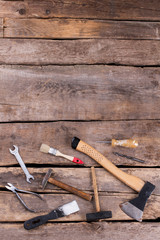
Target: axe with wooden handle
{"type": "Point", "coordinates": [133, 208]}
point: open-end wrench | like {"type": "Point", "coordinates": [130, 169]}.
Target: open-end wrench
{"type": "Point", "coordinates": [20, 161]}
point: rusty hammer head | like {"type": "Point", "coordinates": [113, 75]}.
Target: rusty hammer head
{"type": "Point", "coordinates": [46, 177]}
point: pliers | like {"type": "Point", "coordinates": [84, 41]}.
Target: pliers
{"type": "Point", "coordinates": [15, 190]}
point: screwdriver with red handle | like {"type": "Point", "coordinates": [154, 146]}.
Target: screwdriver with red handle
{"type": "Point", "coordinates": [129, 143]}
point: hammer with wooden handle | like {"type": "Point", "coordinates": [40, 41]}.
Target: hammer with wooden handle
{"type": "Point", "coordinates": [47, 178]}
{"type": "Point", "coordinates": [98, 214]}
{"type": "Point", "coordinates": [133, 208]}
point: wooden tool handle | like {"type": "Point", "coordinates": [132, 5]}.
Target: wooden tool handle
{"type": "Point", "coordinates": [59, 154]}
{"type": "Point", "coordinates": [129, 143]}
{"type": "Point", "coordinates": [94, 181]}
{"type": "Point", "coordinates": [132, 181]}
{"type": "Point", "coordinates": [70, 189]}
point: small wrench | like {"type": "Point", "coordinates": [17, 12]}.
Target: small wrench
{"type": "Point", "coordinates": [23, 166]}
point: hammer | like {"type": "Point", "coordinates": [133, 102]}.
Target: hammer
{"type": "Point", "coordinates": [134, 208]}
{"type": "Point", "coordinates": [62, 185]}
{"type": "Point", "coordinates": [99, 214]}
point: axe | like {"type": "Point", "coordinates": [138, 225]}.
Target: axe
{"type": "Point", "coordinates": [134, 208]}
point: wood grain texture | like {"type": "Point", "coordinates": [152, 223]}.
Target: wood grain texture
{"type": "Point", "coordinates": [79, 178]}
{"type": "Point", "coordinates": [101, 102]}
{"type": "Point", "coordinates": [73, 28]}
{"type": "Point", "coordinates": [1, 27]}
{"type": "Point", "coordinates": [104, 9]}
{"type": "Point", "coordinates": [78, 93]}
{"type": "Point", "coordinates": [93, 231]}
{"type": "Point", "coordinates": [87, 51]}
{"type": "Point", "coordinates": [29, 137]}
{"type": "Point", "coordinates": [14, 211]}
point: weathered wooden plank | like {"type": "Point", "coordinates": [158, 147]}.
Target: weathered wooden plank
{"type": "Point", "coordinates": [79, 178]}
{"type": "Point", "coordinates": [1, 27]}
{"type": "Point", "coordinates": [79, 231]}
{"type": "Point", "coordinates": [78, 93]}
{"type": "Point", "coordinates": [29, 137]}
{"type": "Point", "coordinates": [12, 210]}
{"type": "Point", "coordinates": [73, 28]}
{"type": "Point", "coordinates": [106, 9]}
{"type": "Point", "coordinates": [87, 51]}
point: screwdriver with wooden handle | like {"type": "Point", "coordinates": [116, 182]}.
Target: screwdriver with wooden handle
{"type": "Point", "coordinates": [129, 143]}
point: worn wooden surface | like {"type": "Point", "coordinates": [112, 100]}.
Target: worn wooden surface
{"type": "Point", "coordinates": [80, 51]}
{"type": "Point", "coordinates": [94, 231]}
{"type": "Point", "coordinates": [69, 176]}
{"type": "Point", "coordinates": [79, 68]}
{"type": "Point", "coordinates": [1, 27]}
{"type": "Point", "coordinates": [97, 231]}
{"type": "Point", "coordinates": [32, 135]}
{"type": "Point", "coordinates": [102, 93]}
{"type": "Point", "coordinates": [61, 29]}
{"type": "Point", "coordinates": [104, 9]}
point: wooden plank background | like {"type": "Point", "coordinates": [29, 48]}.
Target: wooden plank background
{"type": "Point", "coordinates": [102, 93]}
{"type": "Point", "coordinates": [30, 136]}
{"type": "Point", "coordinates": [79, 68]}
{"type": "Point", "coordinates": [139, 53]}
{"type": "Point", "coordinates": [61, 29]}
{"type": "Point", "coordinates": [105, 9]}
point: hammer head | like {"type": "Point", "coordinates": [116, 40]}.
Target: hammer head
{"type": "Point", "coordinates": [46, 177]}
{"type": "Point", "coordinates": [134, 208]}
{"type": "Point", "coordinates": [91, 217]}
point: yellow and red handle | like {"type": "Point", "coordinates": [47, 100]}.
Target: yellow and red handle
{"type": "Point", "coordinates": [129, 143]}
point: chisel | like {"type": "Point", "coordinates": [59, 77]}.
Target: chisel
{"type": "Point", "coordinates": [129, 143]}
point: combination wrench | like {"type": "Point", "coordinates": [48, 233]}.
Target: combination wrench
{"type": "Point", "coordinates": [20, 161]}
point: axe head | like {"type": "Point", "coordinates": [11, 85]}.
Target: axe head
{"type": "Point", "coordinates": [134, 208]}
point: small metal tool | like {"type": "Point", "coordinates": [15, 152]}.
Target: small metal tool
{"type": "Point", "coordinates": [20, 161]}
{"type": "Point", "coordinates": [15, 190]}
{"type": "Point", "coordinates": [129, 157]}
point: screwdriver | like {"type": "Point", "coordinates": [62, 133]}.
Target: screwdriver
{"type": "Point", "coordinates": [129, 143]}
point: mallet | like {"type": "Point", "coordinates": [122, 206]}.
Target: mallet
{"type": "Point", "coordinates": [62, 185]}
{"type": "Point", "coordinates": [99, 214]}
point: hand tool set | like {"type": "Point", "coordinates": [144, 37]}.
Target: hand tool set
{"type": "Point", "coordinates": [133, 208]}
